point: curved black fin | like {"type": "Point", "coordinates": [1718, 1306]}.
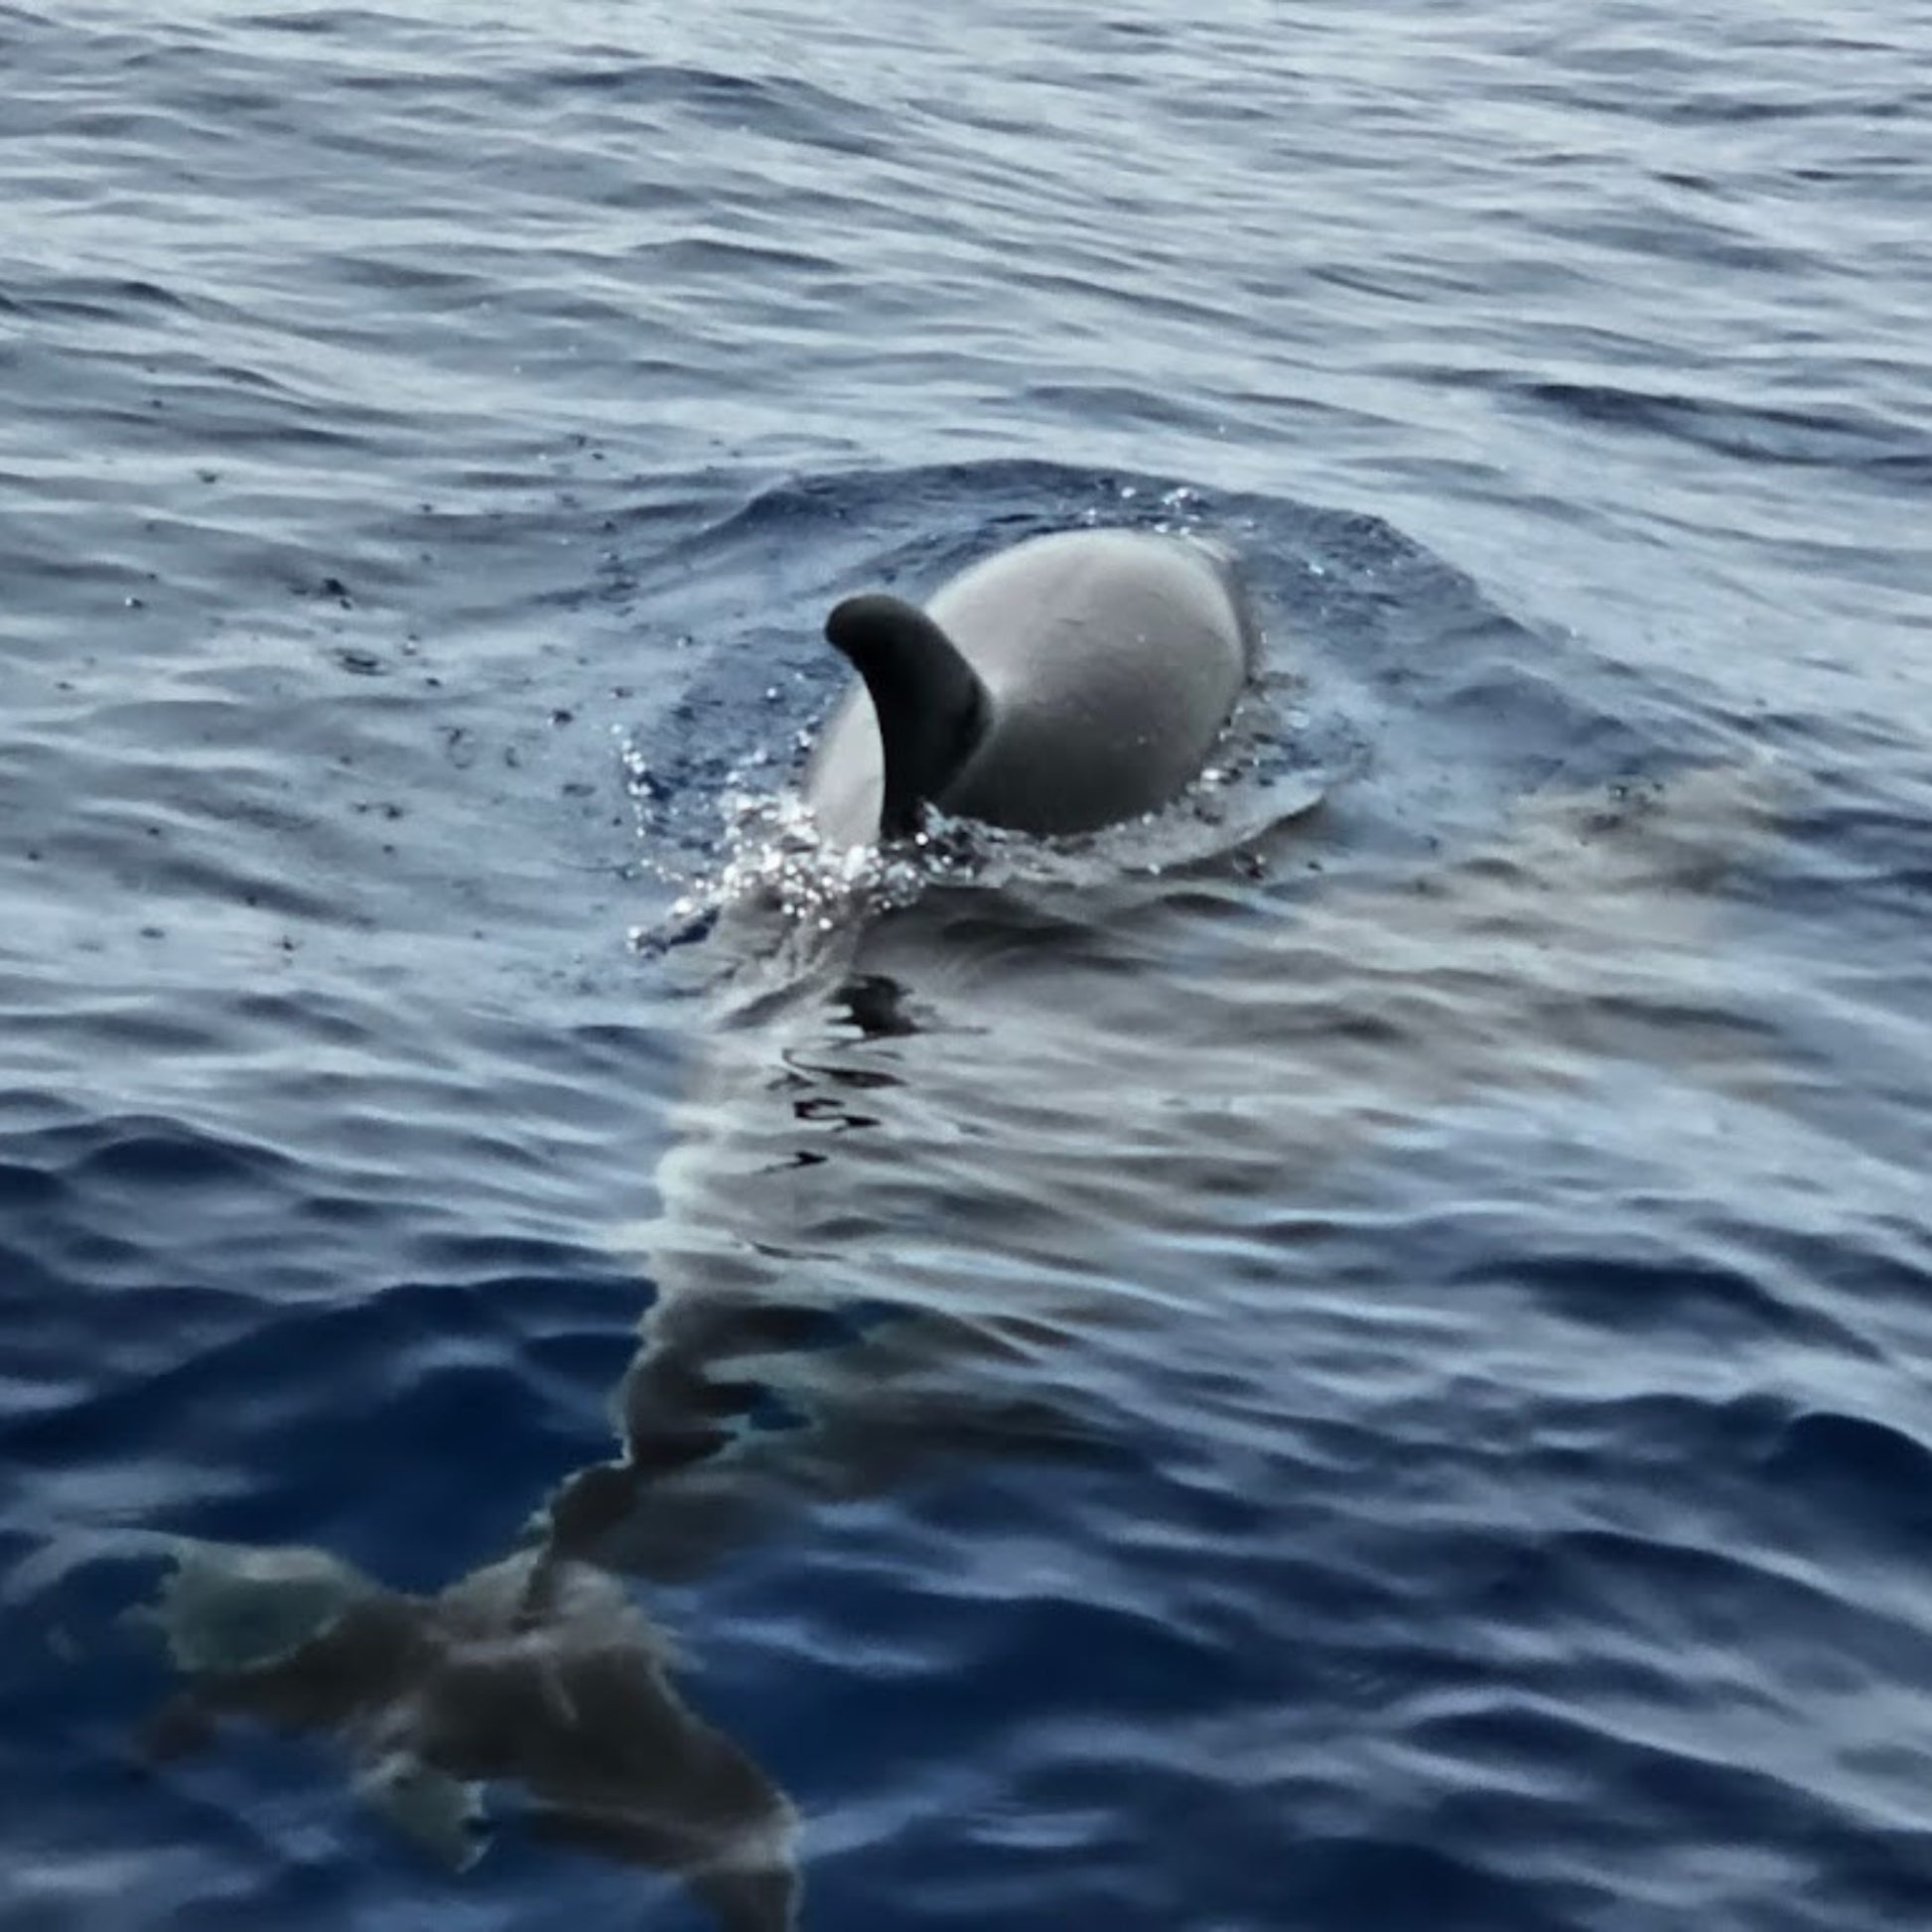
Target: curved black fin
{"type": "Point", "coordinates": [930, 704]}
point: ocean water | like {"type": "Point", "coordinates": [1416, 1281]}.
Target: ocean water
{"type": "Point", "coordinates": [1348, 1365]}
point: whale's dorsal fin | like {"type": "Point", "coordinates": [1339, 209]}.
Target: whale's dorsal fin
{"type": "Point", "coordinates": [931, 707]}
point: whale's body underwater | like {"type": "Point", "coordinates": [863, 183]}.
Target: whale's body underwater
{"type": "Point", "coordinates": [1064, 683]}
{"type": "Point", "coordinates": [922, 1181]}
{"type": "Point", "coordinates": [1067, 683]}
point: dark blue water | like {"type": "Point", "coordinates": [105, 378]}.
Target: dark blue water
{"type": "Point", "coordinates": [1372, 1375]}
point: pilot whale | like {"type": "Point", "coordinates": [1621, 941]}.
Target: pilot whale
{"type": "Point", "coordinates": [941, 1189]}
{"type": "Point", "coordinates": [1067, 683]}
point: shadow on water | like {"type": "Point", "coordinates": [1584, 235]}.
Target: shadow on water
{"type": "Point", "coordinates": [931, 1159]}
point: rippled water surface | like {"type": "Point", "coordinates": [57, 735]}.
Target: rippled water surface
{"type": "Point", "coordinates": [1363, 1367]}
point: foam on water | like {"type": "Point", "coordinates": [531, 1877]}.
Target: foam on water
{"type": "Point", "coordinates": [775, 857]}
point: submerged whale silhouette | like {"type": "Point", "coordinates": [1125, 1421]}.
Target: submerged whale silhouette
{"type": "Point", "coordinates": [532, 1671]}
{"type": "Point", "coordinates": [833, 1314]}
{"type": "Point", "coordinates": [832, 1310]}
{"type": "Point", "coordinates": [1069, 683]}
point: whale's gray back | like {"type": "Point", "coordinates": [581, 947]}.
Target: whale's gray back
{"type": "Point", "coordinates": [1112, 659]}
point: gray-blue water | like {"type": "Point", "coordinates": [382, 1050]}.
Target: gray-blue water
{"type": "Point", "coordinates": [1373, 1378]}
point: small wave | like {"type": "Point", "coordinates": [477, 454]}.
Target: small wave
{"type": "Point", "coordinates": [1871, 1471]}
{"type": "Point", "coordinates": [1842, 439]}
